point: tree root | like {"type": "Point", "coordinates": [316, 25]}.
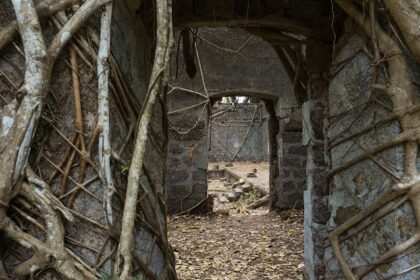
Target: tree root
{"type": "Point", "coordinates": [104, 149]}
{"type": "Point", "coordinates": [3, 272]}
{"type": "Point", "coordinates": [401, 93]}
{"type": "Point", "coordinates": [53, 251]}
{"type": "Point", "coordinates": [45, 8]}
{"type": "Point", "coordinates": [123, 264]}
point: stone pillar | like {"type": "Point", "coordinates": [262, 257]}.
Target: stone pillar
{"type": "Point", "coordinates": [288, 189]}
{"type": "Point", "coordinates": [316, 194]}
{"type": "Point", "coordinates": [187, 155]}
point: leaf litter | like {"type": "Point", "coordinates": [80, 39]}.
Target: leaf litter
{"type": "Point", "coordinates": [244, 245]}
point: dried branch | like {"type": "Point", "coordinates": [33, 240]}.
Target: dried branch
{"type": "Point", "coordinates": [104, 148]}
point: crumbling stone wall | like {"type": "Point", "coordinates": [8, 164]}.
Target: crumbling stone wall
{"type": "Point", "coordinates": [131, 46]}
{"type": "Point", "coordinates": [314, 116]}
{"type": "Point", "coordinates": [356, 118]}
{"type": "Point", "coordinates": [238, 133]}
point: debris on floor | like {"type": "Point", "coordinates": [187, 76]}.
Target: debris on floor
{"type": "Point", "coordinates": [253, 246]}
{"type": "Point", "coordinates": [233, 190]}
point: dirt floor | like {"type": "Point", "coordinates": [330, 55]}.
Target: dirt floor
{"type": "Point", "coordinates": [253, 245]}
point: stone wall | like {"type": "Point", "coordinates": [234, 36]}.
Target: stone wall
{"type": "Point", "coordinates": [314, 116]}
{"type": "Point", "coordinates": [355, 118]}
{"type": "Point", "coordinates": [238, 133]}
{"type": "Point", "coordinates": [356, 109]}
{"type": "Point", "coordinates": [187, 156]}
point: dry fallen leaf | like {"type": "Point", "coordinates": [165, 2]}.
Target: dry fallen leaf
{"type": "Point", "coordinates": [255, 246]}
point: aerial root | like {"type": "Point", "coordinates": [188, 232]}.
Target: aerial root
{"type": "Point", "coordinates": [123, 263]}
{"type": "Point", "coordinates": [401, 93]}
{"type": "Point", "coordinates": [397, 250]}
{"type": "Point", "coordinates": [52, 252]}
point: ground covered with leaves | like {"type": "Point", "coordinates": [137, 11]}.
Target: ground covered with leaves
{"type": "Point", "coordinates": [255, 245]}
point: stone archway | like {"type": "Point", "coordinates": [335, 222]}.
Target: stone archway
{"type": "Point", "coordinates": [188, 115]}
{"type": "Point", "coordinates": [301, 110]}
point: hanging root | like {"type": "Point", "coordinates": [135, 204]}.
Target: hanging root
{"type": "Point", "coordinates": [104, 149]}
{"type": "Point", "coordinates": [53, 252]}
{"type": "Point", "coordinates": [3, 272]}
{"type": "Point", "coordinates": [124, 259]}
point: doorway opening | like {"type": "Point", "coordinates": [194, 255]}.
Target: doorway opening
{"type": "Point", "coordinates": [235, 158]}
{"type": "Point", "coordinates": [239, 154]}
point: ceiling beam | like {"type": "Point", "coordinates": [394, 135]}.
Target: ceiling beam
{"type": "Point", "coordinates": [274, 22]}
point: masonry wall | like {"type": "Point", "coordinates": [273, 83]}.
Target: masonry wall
{"type": "Point", "coordinates": [131, 46]}
{"type": "Point", "coordinates": [238, 133]}
{"type": "Point", "coordinates": [187, 156]}
{"type": "Point", "coordinates": [315, 123]}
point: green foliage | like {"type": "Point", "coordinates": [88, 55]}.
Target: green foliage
{"type": "Point", "coordinates": [125, 167]}
{"type": "Point", "coordinates": [248, 198]}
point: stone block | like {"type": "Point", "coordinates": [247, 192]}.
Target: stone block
{"type": "Point", "coordinates": [294, 162]}
{"type": "Point", "coordinates": [175, 149]}
{"type": "Point", "coordinates": [321, 213]}
{"type": "Point", "coordinates": [199, 176]}
{"type": "Point", "coordinates": [288, 185]}
{"type": "Point", "coordinates": [199, 189]}
{"type": "Point", "coordinates": [222, 199]}
{"type": "Point", "coordinates": [247, 187]}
